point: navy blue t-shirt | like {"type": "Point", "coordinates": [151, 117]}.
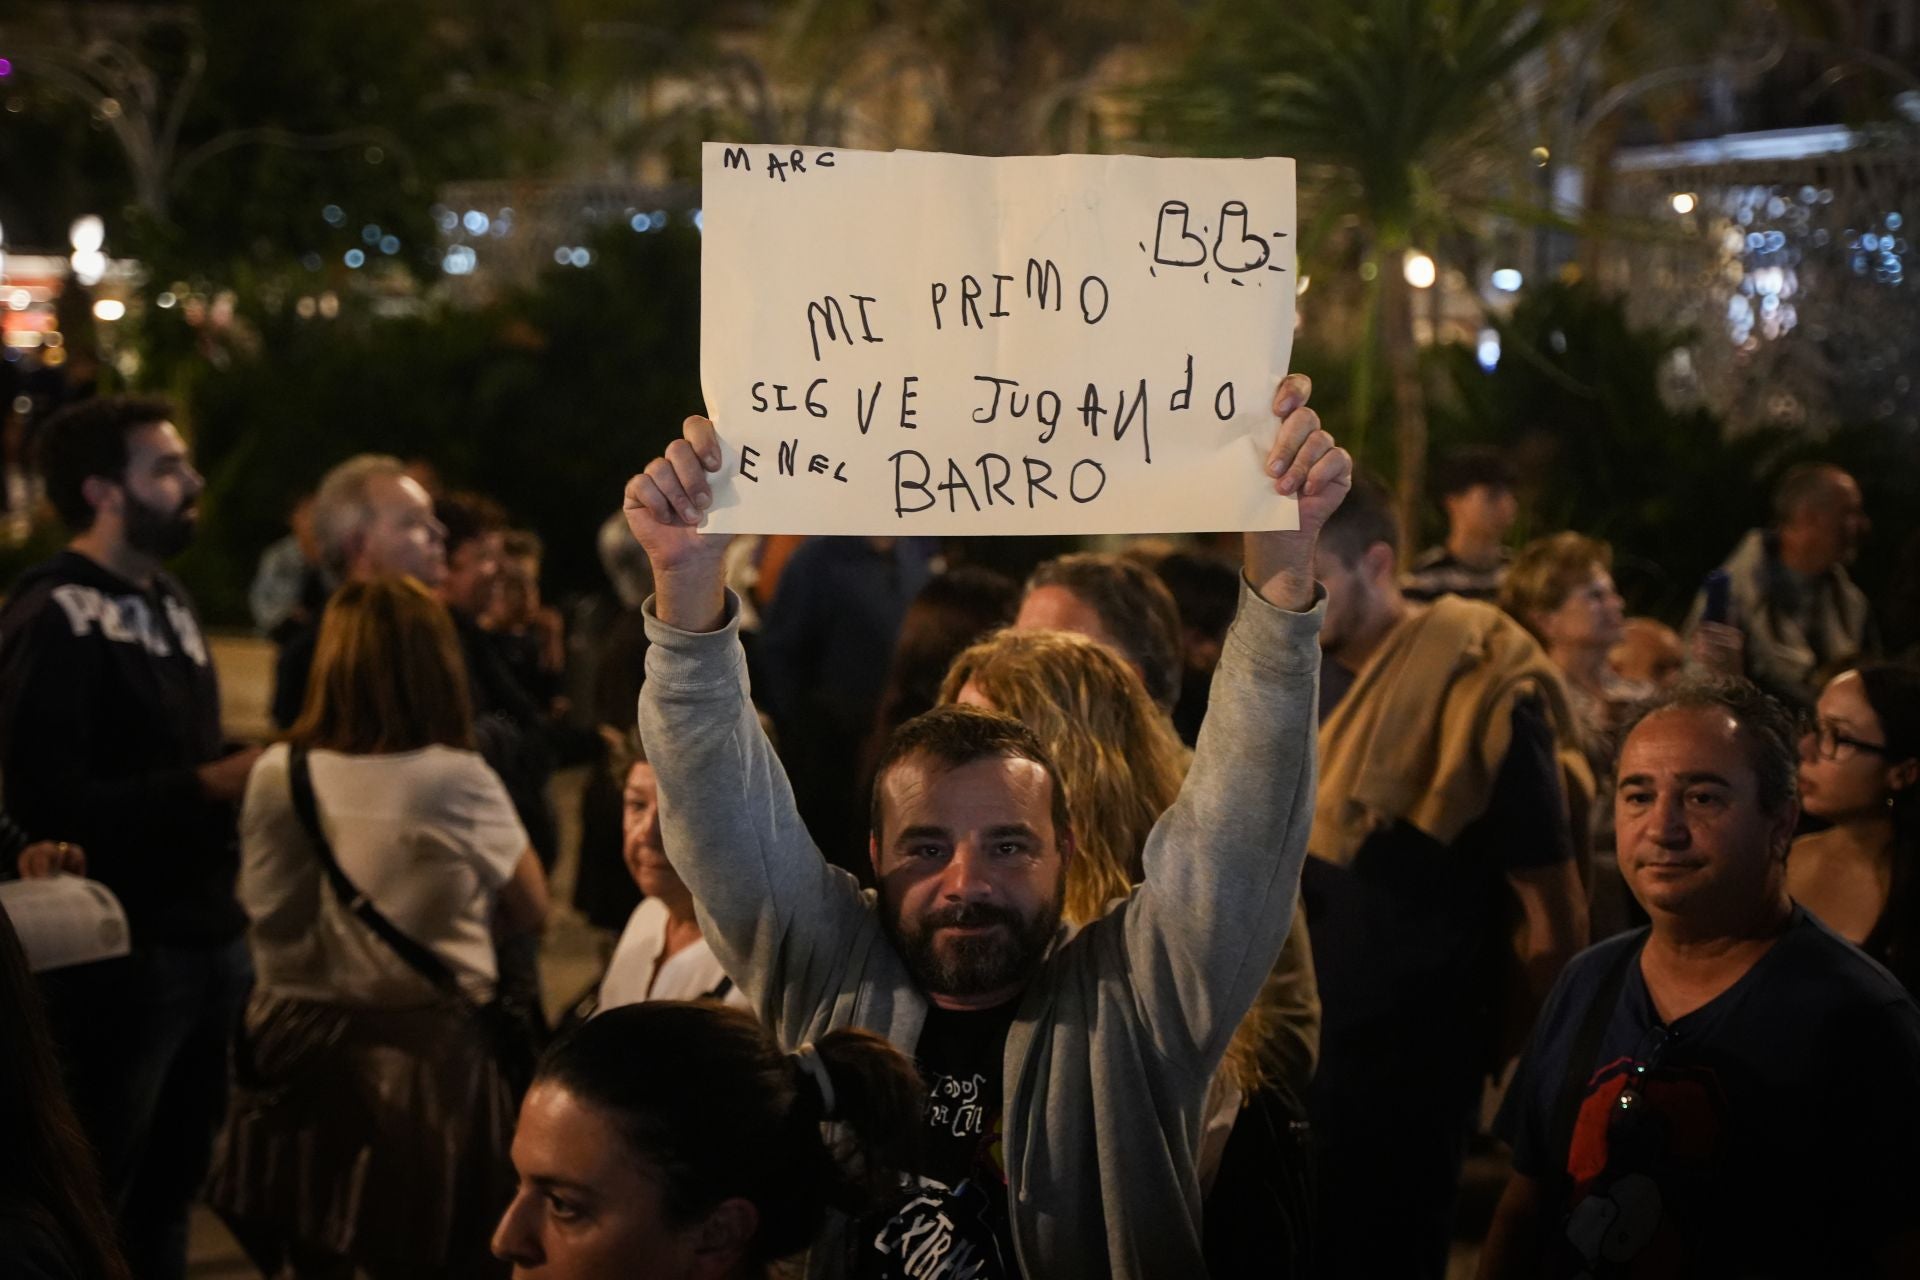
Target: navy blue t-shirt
{"type": "Point", "coordinates": [1774, 1131]}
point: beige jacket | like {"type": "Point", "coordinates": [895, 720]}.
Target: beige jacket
{"type": "Point", "coordinates": [1421, 735]}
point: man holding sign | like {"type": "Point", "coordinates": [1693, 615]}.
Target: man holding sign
{"type": "Point", "coordinates": [909, 344]}
{"type": "Point", "coordinates": [1069, 1070]}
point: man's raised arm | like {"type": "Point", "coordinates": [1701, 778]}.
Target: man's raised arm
{"type": "Point", "coordinates": [1223, 864]}
{"type": "Point", "coordinates": [781, 921]}
{"type": "Point", "coordinates": [1307, 465]}
{"type": "Point", "coordinates": [664, 506]}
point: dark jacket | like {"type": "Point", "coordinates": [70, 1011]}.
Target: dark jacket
{"type": "Point", "coordinates": [1783, 655]}
{"type": "Point", "coordinates": [108, 705]}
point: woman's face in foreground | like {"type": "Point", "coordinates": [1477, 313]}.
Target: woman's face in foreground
{"type": "Point", "coordinates": [589, 1207]}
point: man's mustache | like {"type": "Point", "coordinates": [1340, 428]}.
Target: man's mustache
{"type": "Point", "coordinates": [973, 915]}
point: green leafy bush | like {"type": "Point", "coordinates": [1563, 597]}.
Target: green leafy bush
{"type": "Point", "coordinates": [547, 402]}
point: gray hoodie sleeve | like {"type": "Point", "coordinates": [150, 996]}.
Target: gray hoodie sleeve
{"type": "Point", "coordinates": [1223, 864]}
{"type": "Point", "coordinates": [785, 925]}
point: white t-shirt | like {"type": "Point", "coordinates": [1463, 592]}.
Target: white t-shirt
{"type": "Point", "coordinates": [691, 973]}
{"type": "Point", "coordinates": [428, 836]}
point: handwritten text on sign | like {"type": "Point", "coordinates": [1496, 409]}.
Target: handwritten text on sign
{"type": "Point", "coordinates": [906, 342]}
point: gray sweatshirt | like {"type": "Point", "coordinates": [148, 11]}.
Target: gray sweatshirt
{"type": "Point", "coordinates": [1120, 1031]}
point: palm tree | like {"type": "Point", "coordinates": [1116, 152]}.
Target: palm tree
{"type": "Point", "coordinates": [1409, 119]}
{"type": "Point", "coordinates": [991, 77]}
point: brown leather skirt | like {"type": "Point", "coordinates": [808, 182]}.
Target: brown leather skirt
{"type": "Point", "coordinates": [374, 1135]}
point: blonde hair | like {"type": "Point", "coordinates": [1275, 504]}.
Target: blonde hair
{"type": "Point", "coordinates": [387, 674]}
{"type": "Point", "coordinates": [1546, 572]}
{"type": "Point", "coordinates": [1117, 754]}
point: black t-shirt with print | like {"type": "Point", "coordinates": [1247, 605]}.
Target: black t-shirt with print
{"type": "Point", "coordinates": [1770, 1132]}
{"type": "Point", "coordinates": [954, 1225]}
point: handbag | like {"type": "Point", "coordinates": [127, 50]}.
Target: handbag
{"type": "Point", "coordinates": [508, 1031]}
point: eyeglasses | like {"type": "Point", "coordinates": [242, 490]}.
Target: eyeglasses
{"type": "Point", "coordinates": [1829, 743]}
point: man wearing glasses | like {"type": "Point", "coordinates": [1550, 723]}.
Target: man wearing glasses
{"type": "Point", "coordinates": [1734, 1090]}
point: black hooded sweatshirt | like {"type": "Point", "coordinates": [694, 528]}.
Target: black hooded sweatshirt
{"type": "Point", "coordinates": [108, 705]}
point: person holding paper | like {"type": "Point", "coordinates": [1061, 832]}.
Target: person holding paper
{"type": "Point", "coordinates": [1071, 1068]}
{"type": "Point", "coordinates": [110, 738]}
{"type": "Point", "coordinates": [26, 857]}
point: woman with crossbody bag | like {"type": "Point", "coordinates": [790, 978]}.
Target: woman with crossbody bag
{"type": "Point", "coordinates": [371, 1117]}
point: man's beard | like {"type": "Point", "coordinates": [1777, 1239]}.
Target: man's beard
{"type": "Point", "coordinates": [977, 965]}
{"type": "Point", "coordinates": [158, 533]}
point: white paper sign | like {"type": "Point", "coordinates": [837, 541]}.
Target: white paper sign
{"type": "Point", "coordinates": [913, 343]}
{"type": "Point", "coordinates": [65, 920]}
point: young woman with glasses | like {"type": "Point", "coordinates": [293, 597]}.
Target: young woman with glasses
{"type": "Point", "coordinates": [1860, 771]}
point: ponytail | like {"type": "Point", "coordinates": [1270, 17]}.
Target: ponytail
{"type": "Point", "coordinates": [880, 1104]}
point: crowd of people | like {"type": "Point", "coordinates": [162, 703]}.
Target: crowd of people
{"type": "Point", "coordinates": [1164, 914]}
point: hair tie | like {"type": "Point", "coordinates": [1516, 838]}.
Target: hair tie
{"type": "Point", "coordinates": [810, 1064]}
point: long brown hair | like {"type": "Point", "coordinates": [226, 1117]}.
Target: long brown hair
{"type": "Point", "coordinates": [49, 1168]}
{"type": "Point", "coordinates": [387, 674]}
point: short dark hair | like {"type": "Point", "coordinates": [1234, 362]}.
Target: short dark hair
{"type": "Point", "coordinates": [1135, 607]}
{"type": "Point", "coordinates": [1770, 730]}
{"type": "Point", "coordinates": [1803, 484]}
{"type": "Point", "coordinates": [1364, 518]}
{"type": "Point", "coordinates": [951, 611]}
{"type": "Point", "coordinates": [1206, 589]}
{"type": "Point", "coordinates": [468, 516]}
{"type": "Point", "coordinates": [523, 544]}
{"type": "Point", "coordinates": [959, 735]}
{"type": "Point", "coordinates": [90, 439]}
{"type": "Point", "coordinates": [624, 750]}
{"type": "Point", "coordinates": [1470, 465]}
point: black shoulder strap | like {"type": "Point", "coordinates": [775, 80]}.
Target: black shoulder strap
{"type": "Point", "coordinates": [421, 959]}
{"type": "Point", "coordinates": [1586, 1047]}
